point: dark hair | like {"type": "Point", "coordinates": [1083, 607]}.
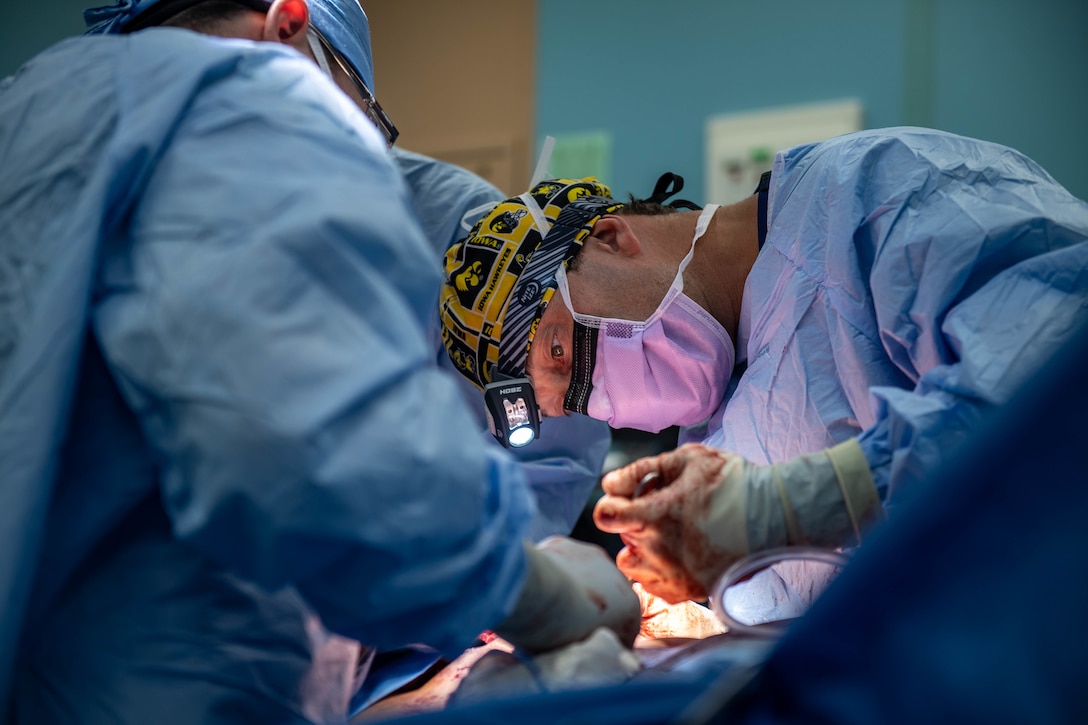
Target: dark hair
{"type": "Point", "coordinates": [644, 207]}
{"type": "Point", "coordinates": [205, 17]}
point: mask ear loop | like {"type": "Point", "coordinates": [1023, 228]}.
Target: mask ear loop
{"type": "Point", "coordinates": [701, 225]}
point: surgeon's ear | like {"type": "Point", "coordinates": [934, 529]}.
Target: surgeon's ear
{"type": "Point", "coordinates": [287, 22]}
{"type": "Point", "coordinates": [615, 235]}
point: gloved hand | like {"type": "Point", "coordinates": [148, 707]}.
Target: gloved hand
{"type": "Point", "coordinates": [571, 589]}
{"type": "Point", "coordinates": [713, 507]}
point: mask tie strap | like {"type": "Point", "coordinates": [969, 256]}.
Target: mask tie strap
{"type": "Point", "coordinates": [541, 169]}
{"type": "Point", "coordinates": [319, 54]}
{"type": "Point", "coordinates": [539, 220]}
{"type": "Point", "coordinates": [470, 217]}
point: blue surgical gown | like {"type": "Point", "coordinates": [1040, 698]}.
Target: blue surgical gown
{"type": "Point", "coordinates": [910, 282]}
{"type": "Point", "coordinates": [219, 408]}
{"type": "Point", "coordinates": [564, 463]}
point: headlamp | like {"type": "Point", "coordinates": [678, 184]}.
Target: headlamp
{"type": "Point", "coordinates": [512, 412]}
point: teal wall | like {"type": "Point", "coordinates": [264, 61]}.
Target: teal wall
{"type": "Point", "coordinates": [651, 73]}
{"type": "Point", "coordinates": [27, 28]}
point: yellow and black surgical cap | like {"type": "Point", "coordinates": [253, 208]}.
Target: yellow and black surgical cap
{"type": "Point", "coordinates": [501, 276]}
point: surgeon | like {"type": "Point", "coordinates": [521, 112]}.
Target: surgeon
{"type": "Point", "coordinates": [824, 344]}
{"type": "Point", "coordinates": [223, 436]}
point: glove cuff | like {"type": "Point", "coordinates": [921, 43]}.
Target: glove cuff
{"type": "Point", "coordinates": [821, 499]}
{"type": "Point", "coordinates": [855, 481]}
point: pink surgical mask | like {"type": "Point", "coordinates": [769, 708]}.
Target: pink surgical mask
{"type": "Point", "coordinates": [671, 369]}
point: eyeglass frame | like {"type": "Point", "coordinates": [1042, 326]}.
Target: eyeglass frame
{"type": "Point", "coordinates": [370, 107]}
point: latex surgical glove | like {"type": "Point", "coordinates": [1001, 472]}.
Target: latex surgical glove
{"type": "Point", "coordinates": [712, 507]}
{"type": "Point", "coordinates": [571, 589]}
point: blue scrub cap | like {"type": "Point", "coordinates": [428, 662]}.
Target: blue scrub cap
{"type": "Point", "coordinates": [342, 22]}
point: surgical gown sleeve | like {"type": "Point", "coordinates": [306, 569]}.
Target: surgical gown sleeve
{"type": "Point", "coordinates": [268, 325]}
{"type": "Point", "coordinates": [977, 263]}
{"type": "Point", "coordinates": [564, 463]}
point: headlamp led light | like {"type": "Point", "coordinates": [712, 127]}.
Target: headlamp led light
{"type": "Point", "coordinates": [513, 415]}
